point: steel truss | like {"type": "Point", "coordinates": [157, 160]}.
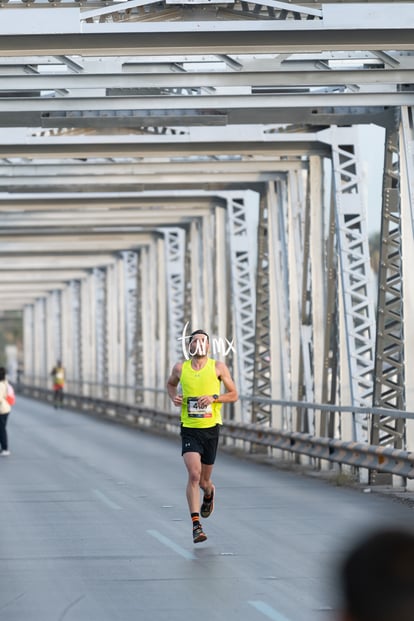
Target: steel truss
{"type": "Point", "coordinates": [154, 9]}
{"type": "Point", "coordinates": [175, 245]}
{"type": "Point", "coordinates": [330, 375]}
{"type": "Point", "coordinates": [198, 277]}
{"type": "Point", "coordinates": [305, 419]}
{"type": "Point", "coordinates": [139, 380]}
{"type": "Point", "coordinates": [54, 328]}
{"type": "Point", "coordinates": [389, 389]}
{"type": "Point", "coordinates": [262, 412]}
{"type": "Point", "coordinates": [152, 331]}
{"type": "Point", "coordinates": [28, 342]}
{"type": "Point", "coordinates": [280, 334]}
{"type": "Point", "coordinates": [356, 278]}
{"type": "Point", "coordinates": [130, 292]}
{"type": "Point", "coordinates": [286, 253]}
{"type": "Point", "coordinates": [76, 334]}
{"type": "Point", "coordinates": [407, 117]}
{"type": "Point", "coordinates": [101, 329]}
{"type": "Point", "coordinates": [242, 223]}
{"type": "Point", "coordinates": [39, 337]}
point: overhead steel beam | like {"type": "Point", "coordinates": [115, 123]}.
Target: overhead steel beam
{"type": "Point", "coordinates": [25, 286]}
{"type": "Point", "coordinates": [277, 76]}
{"type": "Point", "coordinates": [128, 171]}
{"type": "Point", "coordinates": [113, 202]}
{"type": "Point", "coordinates": [38, 276]}
{"type": "Point", "coordinates": [96, 244]}
{"type": "Point", "coordinates": [137, 121]}
{"type": "Point", "coordinates": [29, 223]}
{"type": "Point", "coordinates": [177, 103]}
{"type": "Point", "coordinates": [61, 261]}
{"type": "Point", "coordinates": [162, 147]}
{"type": "Point", "coordinates": [390, 30]}
{"type": "Point", "coordinates": [54, 183]}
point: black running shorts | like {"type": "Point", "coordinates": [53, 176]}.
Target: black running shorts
{"type": "Point", "coordinates": [203, 441]}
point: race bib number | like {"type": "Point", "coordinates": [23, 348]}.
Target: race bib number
{"type": "Point", "coordinates": [195, 411]}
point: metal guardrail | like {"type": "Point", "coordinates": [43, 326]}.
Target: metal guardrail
{"type": "Point", "coordinates": [359, 455]}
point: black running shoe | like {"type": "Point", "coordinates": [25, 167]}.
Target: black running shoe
{"type": "Point", "coordinates": [198, 535]}
{"type": "Point", "coordinates": [207, 507]}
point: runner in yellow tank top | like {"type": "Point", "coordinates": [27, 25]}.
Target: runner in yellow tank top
{"type": "Point", "coordinates": [195, 383]}
{"type": "Point", "coordinates": [200, 378]}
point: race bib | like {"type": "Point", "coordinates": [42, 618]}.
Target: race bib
{"type": "Point", "coordinates": [194, 411]}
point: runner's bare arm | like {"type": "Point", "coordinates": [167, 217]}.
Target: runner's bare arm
{"type": "Point", "coordinates": [173, 382]}
{"type": "Point", "coordinates": [231, 395]}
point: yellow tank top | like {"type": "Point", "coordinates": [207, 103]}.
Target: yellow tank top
{"type": "Point", "coordinates": [196, 383]}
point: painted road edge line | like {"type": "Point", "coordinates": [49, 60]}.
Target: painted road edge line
{"type": "Point", "coordinates": [267, 610]}
{"type": "Point", "coordinates": [170, 544]}
{"type": "Point", "coordinates": [107, 501]}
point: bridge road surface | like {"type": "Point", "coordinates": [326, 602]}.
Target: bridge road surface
{"type": "Point", "coordinates": [94, 527]}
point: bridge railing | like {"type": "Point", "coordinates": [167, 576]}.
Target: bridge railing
{"type": "Point", "coordinates": [320, 451]}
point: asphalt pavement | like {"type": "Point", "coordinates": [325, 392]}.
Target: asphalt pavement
{"type": "Point", "coordinates": [94, 527]}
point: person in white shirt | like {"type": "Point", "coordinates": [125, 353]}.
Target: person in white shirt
{"type": "Point", "coordinates": [5, 410]}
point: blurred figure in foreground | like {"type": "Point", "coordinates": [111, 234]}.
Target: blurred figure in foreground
{"type": "Point", "coordinates": [377, 578]}
{"type": "Point", "coordinates": [58, 375]}
{"type": "Point", "coordinates": [5, 409]}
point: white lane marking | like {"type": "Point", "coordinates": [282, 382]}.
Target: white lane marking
{"type": "Point", "coordinates": [107, 501]}
{"type": "Point", "coordinates": [267, 610]}
{"type": "Point", "coordinates": [173, 546]}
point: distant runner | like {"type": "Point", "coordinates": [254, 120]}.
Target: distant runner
{"type": "Point", "coordinates": [58, 375]}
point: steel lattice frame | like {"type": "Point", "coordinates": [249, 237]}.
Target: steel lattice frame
{"type": "Point", "coordinates": [175, 246]}
{"type": "Point", "coordinates": [28, 342]}
{"type": "Point", "coordinates": [101, 377]}
{"type": "Point", "coordinates": [331, 339]}
{"type": "Point", "coordinates": [222, 323]}
{"type": "Point", "coordinates": [242, 222]}
{"type": "Point", "coordinates": [54, 329]}
{"type": "Point", "coordinates": [389, 389]}
{"type": "Point", "coordinates": [269, 79]}
{"type": "Point", "coordinates": [305, 419]}
{"type": "Point", "coordinates": [207, 248]}
{"type": "Point", "coordinates": [352, 240]}
{"type": "Point", "coordinates": [268, 9]}
{"type": "Point", "coordinates": [39, 341]}
{"type": "Point", "coordinates": [281, 369]}
{"type": "Point", "coordinates": [262, 412]}
{"type": "Point", "coordinates": [76, 334]}
{"type": "Point", "coordinates": [191, 282]}
{"type": "Point", "coordinates": [138, 346]}
{"type": "Point", "coordinates": [130, 277]}
{"type": "Point", "coordinates": [407, 118]}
